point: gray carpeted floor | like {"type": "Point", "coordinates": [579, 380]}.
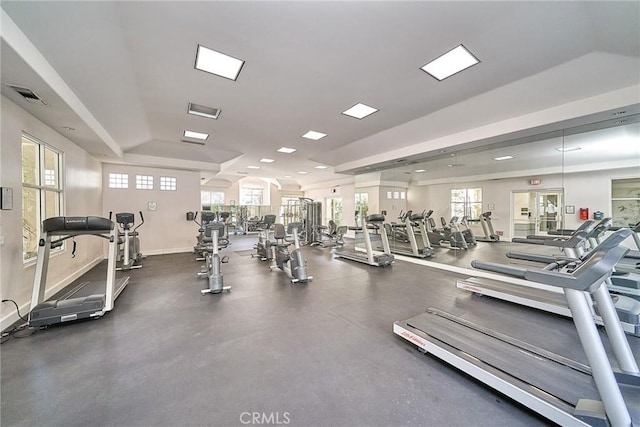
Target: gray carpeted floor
{"type": "Point", "coordinates": [316, 354]}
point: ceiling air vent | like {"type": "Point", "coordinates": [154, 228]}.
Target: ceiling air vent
{"type": "Point", "coordinates": [203, 111]}
{"type": "Point", "coordinates": [192, 142]}
{"type": "Point", "coordinates": [29, 95]}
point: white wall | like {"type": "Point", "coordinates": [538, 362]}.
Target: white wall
{"type": "Point", "coordinates": [82, 197]}
{"type": "Point", "coordinates": [345, 191]}
{"type": "Point", "coordinates": [166, 229]}
{"type": "Point", "coordinates": [586, 189]}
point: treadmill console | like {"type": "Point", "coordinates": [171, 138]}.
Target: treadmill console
{"type": "Point", "coordinates": [76, 223]}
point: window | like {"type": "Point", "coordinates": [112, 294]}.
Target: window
{"type": "Point", "coordinates": [168, 183]}
{"type": "Point", "coordinates": [466, 202]}
{"type": "Point", "coordinates": [625, 202]}
{"type": "Point", "coordinates": [396, 195]}
{"type": "Point", "coordinates": [251, 195]}
{"type": "Point", "coordinates": [362, 203]}
{"type": "Point", "coordinates": [41, 191]}
{"type": "Point", "coordinates": [118, 180]}
{"type": "Point", "coordinates": [144, 182]}
{"type": "Point", "coordinates": [211, 198]}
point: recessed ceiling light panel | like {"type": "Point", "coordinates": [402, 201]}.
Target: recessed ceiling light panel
{"type": "Point", "coordinates": [218, 63]}
{"type": "Point", "coordinates": [322, 167]}
{"type": "Point", "coordinates": [503, 158]}
{"type": "Point", "coordinates": [253, 167]}
{"type": "Point", "coordinates": [312, 134]}
{"type": "Point", "coordinates": [286, 150]}
{"type": "Point", "coordinates": [420, 170]}
{"type": "Point", "coordinates": [195, 135]}
{"type": "Point", "coordinates": [202, 111]}
{"type": "Point", "coordinates": [265, 160]}
{"type": "Point", "coordinates": [452, 62]}
{"type": "Point", "coordinates": [303, 172]}
{"type": "Point", "coordinates": [359, 111]}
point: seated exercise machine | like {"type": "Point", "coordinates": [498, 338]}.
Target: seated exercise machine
{"type": "Point", "coordinates": [469, 237]}
{"type": "Point", "coordinates": [562, 390]}
{"type": "Point", "coordinates": [263, 247]}
{"type": "Point", "coordinates": [329, 235]}
{"type": "Point", "coordinates": [374, 222]}
{"type": "Point", "coordinates": [214, 239]}
{"type": "Point", "coordinates": [129, 254]}
{"type": "Point", "coordinates": [413, 221]}
{"type": "Point", "coordinates": [291, 262]}
{"type": "Point", "coordinates": [446, 236]}
{"type": "Point", "coordinates": [87, 300]}
{"type": "Point", "coordinates": [206, 217]}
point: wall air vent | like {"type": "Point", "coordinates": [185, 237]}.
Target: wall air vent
{"type": "Point", "coordinates": [29, 95]}
{"type": "Point", "coordinates": [193, 142]}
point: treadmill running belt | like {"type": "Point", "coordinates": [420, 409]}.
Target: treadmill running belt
{"type": "Point", "coordinates": [545, 374]}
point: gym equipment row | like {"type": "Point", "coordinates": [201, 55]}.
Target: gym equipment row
{"type": "Point", "coordinates": [562, 390]}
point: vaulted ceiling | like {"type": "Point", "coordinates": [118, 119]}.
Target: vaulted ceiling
{"type": "Point", "coordinates": [121, 73]}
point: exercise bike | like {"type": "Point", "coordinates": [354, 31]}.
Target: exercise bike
{"type": "Point", "coordinates": [214, 239]}
{"type": "Point", "coordinates": [263, 247]}
{"type": "Point", "coordinates": [206, 217]}
{"type": "Point", "coordinates": [129, 254]}
{"type": "Point", "coordinates": [291, 262]}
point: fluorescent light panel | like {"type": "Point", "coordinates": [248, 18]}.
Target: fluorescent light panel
{"type": "Point", "coordinates": [303, 172]}
{"type": "Point", "coordinates": [253, 167]}
{"type": "Point", "coordinates": [420, 170]}
{"type": "Point", "coordinates": [322, 167]}
{"type": "Point", "coordinates": [286, 150]}
{"type": "Point", "coordinates": [452, 62]}
{"type": "Point", "coordinates": [312, 134]}
{"type": "Point", "coordinates": [203, 111]}
{"type": "Point", "coordinates": [195, 135]}
{"type": "Point", "coordinates": [265, 160]}
{"type": "Point", "coordinates": [218, 63]}
{"type": "Point", "coordinates": [503, 158]}
{"type": "Point", "coordinates": [359, 111]}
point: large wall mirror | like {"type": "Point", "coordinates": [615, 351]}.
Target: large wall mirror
{"type": "Point", "coordinates": [531, 185]}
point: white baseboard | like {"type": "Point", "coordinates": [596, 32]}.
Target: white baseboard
{"type": "Point", "coordinates": [12, 317]}
{"type": "Point", "coordinates": [167, 251]}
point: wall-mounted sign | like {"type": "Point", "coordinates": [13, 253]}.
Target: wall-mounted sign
{"type": "Point", "coordinates": [535, 181]}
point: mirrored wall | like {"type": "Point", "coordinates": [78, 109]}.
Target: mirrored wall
{"type": "Point", "coordinates": [538, 184]}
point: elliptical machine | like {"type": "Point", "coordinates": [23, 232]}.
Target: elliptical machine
{"type": "Point", "coordinates": [263, 247]}
{"type": "Point", "coordinates": [292, 263]}
{"type": "Point", "coordinates": [128, 242]}
{"type": "Point", "coordinates": [213, 240]}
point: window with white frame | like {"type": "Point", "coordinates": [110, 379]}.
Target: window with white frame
{"type": "Point", "coordinates": [466, 202]}
{"type": "Point", "coordinates": [42, 191]}
{"type": "Point", "coordinates": [362, 203]}
{"type": "Point", "coordinates": [168, 183]}
{"type": "Point", "coordinates": [625, 202]}
{"type": "Point", "coordinates": [144, 182]}
{"type": "Point", "coordinates": [211, 198]}
{"type": "Point", "coordinates": [396, 195]}
{"type": "Point", "coordinates": [118, 180]}
{"type": "Point", "coordinates": [252, 195]}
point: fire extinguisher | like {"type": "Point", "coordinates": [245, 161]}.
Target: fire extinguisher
{"type": "Point", "coordinates": [584, 214]}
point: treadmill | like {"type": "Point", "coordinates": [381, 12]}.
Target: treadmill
{"type": "Point", "coordinates": [411, 219]}
{"type": "Point", "coordinates": [368, 257]}
{"type": "Point", "coordinates": [76, 304]}
{"type": "Point", "coordinates": [550, 298]}
{"type": "Point", "coordinates": [562, 390]}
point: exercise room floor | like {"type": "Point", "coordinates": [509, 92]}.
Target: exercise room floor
{"type": "Point", "coordinates": [316, 354]}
